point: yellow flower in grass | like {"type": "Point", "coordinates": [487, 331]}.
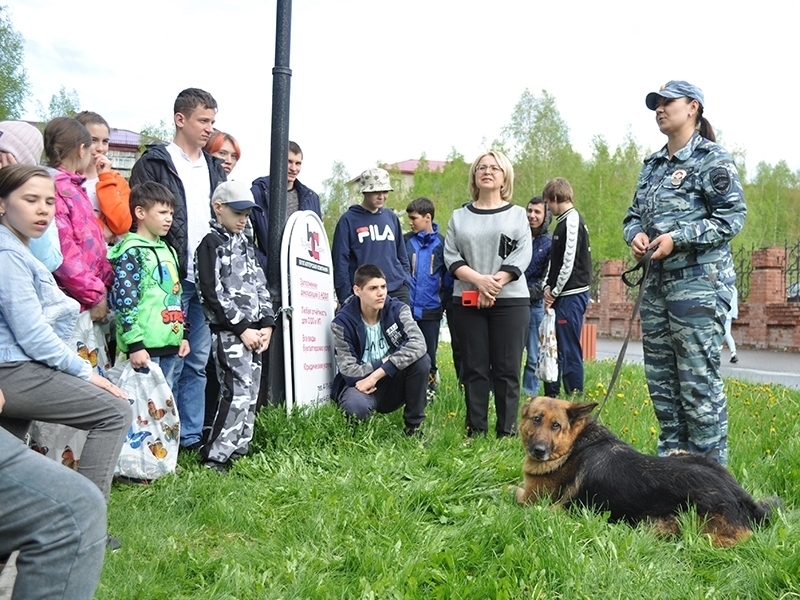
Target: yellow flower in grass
{"type": "Point", "coordinates": [653, 430]}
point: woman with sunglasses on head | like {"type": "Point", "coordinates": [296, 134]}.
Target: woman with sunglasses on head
{"type": "Point", "coordinates": [687, 207]}
{"type": "Point", "coordinates": [487, 248]}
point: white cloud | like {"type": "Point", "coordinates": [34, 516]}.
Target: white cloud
{"type": "Point", "coordinates": [388, 81]}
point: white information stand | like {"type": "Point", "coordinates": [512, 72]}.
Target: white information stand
{"type": "Point", "coordinates": [307, 295]}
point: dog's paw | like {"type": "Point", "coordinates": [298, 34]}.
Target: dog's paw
{"type": "Point", "coordinates": [520, 494]}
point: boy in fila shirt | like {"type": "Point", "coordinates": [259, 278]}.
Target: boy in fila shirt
{"type": "Point", "coordinates": [368, 233]}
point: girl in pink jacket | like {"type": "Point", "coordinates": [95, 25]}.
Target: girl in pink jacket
{"type": "Point", "coordinates": [85, 273]}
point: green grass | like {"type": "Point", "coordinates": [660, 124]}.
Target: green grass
{"type": "Point", "coordinates": [324, 509]}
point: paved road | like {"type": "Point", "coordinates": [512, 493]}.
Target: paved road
{"type": "Point", "coordinates": [754, 365]}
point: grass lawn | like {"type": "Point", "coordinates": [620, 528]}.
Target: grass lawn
{"type": "Point", "coordinates": [324, 509]}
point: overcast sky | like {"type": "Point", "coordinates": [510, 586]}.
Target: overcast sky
{"type": "Point", "coordinates": [375, 80]}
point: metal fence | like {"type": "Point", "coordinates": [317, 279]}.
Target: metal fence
{"type": "Point", "coordinates": [793, 272]}
{"type": "Point", "coordinates": [743, 263]}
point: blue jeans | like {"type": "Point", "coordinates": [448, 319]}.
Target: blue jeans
{"type": "Point", "coordinates": [569, 323]}
{"type": "Point", "coordinates": [530, 383]}
{"type": "Point", "coordinates": [169, 366]}
{"type": "Point", "coordinates": [190, 373]}
{"type": "Point", "coordinates": [55, 518]}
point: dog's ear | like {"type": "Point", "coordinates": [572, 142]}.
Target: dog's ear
{"type": "Point", "coordinates": [525, 406]}
{"type": "Point", "coordinates": [580, 410]}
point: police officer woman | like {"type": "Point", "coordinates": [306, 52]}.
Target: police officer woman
{"type": "Point", "coordinates": [688, 205]}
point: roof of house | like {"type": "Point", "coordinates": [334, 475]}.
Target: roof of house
{"type": "Point", "coordinates": [410, 166]}
{"type": "Point", "coordinates": [123, 137]}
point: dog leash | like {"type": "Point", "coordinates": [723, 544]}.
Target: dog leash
{"type": "Point", "coordinates": [644, 265]}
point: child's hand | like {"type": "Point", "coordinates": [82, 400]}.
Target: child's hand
{"type": "Point", "coordinates": [102, 163]}
{"type": "Point", "coordinates": [139, 358]}
{"type": "Point", "coordinates": [251, 338]}
{"type": "Point", "coordinates": [184, 349]}
{"type": "Point", "coordinates": [266, 337]}
{"type": "Point", "coordinates": [7, 159]}
{"type": "Point", "coordinates": [99, 311]}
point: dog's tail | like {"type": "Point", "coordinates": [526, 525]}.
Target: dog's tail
{"type": "Point", "coordinates": [766, 508]}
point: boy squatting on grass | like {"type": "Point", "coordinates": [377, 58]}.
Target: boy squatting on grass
{"type": "Point", "coordinates": [147, 287]}
{"type": "Point", "coordinates": [381, 354]}
{"type": "Point", "coordinates": [237, 306]}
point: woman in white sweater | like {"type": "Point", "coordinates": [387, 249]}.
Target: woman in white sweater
{"type": "Point", "coordinates": [487, 248]}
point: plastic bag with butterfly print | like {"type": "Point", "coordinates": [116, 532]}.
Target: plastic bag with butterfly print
{"type": "Point", "coordinates": [62, 442]}
{"type": "Point", "coordinates": [151, 445]}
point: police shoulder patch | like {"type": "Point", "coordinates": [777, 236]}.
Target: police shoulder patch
{"type": "Point", "coordinates": [720, 179]}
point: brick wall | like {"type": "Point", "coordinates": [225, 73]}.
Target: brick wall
{"type": "Point", "coordinates": [766, 321]}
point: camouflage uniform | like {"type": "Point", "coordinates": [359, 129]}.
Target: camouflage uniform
{"type": "Point", "coordinates": [233, 292]}
{"type": "Point", "coordinates": [697, 197]}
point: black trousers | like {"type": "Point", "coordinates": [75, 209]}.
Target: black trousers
{"type": "Point", "coordinates": [492, 341]}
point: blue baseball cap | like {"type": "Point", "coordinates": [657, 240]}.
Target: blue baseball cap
{"type": "Point", "coordinates": [675, 89]}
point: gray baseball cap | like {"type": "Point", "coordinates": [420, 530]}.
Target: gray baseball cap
{"type": "Point", "coordinates": [675, 89]}
{"type": "Point", "coordinates": [235, 194]}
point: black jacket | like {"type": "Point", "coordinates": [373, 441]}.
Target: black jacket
{"type": "Point", "coordinates": [156, 165]}
{"type": "Point", "coordinates": [307, 199]}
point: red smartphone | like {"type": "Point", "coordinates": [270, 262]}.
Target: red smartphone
{"type": "Point", "coordinates": [469, 298]}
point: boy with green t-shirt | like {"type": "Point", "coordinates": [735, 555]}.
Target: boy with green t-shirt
{"type": "Point", "coordinates": [147, 287]}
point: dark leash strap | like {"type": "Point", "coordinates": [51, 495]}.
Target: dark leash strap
{"type": "Point", "coordinates": [644, 265]}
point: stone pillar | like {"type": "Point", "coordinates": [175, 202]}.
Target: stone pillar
{"type": "Point", "coordinates": [768, 280]}
{"type": "Point", "coordinates": [612, 288]}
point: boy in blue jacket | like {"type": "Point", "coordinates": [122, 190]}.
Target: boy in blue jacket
{"type": "Point", "coordinates": [380, 352]}
{"type": "Point", "coordinates": [368, 233]}
{"type": "Point", "coordinates": [431, 283]}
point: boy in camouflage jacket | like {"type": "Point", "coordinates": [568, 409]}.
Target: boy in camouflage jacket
{"type": "Point", "coordinates": [233, 292]}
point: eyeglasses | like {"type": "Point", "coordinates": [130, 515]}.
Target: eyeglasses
{"type": "Point", "coordinates": [491, 168]}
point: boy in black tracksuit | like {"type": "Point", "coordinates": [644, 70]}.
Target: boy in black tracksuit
{"type": "Point", "coordinates": [567, 283]}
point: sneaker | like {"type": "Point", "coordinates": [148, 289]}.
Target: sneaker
{"type": "Point", "coordinates": [413, 431]}
{"type": "Point", "coordinates": [112, 543]}
{"type": "Point", "coordinates": [734, 359]}
{"type": "Point", "coordinates": [216, 466]}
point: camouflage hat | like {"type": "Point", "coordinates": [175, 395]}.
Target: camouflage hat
{"type": "Point", "coordinates": [234, 194]}
{"type": "Point", "coordinates": [675, 89]}
{"type": "Point", "coordinates": [375, 180]}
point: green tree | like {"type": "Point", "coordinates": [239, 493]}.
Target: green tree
{"type": "Point", "coordinates": [14, 87]}
{"type": "Point", "coordinates": [63, 104]}
{"type": "Point", "coordinates": [155, 134]}
{"type": "Point", "coordinates": [604, 194]}
{"type": "Point", "coordinates": [336, 197]}
{"type": "Point", "coordinates": [446, 188]}
{"type": "Point", "coordinates": [537, 139]}
{"type": "Point", "coordinates": [773, 194]}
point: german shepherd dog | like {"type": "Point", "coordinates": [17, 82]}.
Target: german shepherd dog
{"type": "Point", "coordinates": [572, 459]}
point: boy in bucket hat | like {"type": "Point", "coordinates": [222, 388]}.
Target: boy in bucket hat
{"type": "Point", "coordinates": [368, 233]}
{"type": "Point", "coordinates": [233, 293]}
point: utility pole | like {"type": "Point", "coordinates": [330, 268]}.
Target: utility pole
{"type": "Point", "coordinates": [279, 175]}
